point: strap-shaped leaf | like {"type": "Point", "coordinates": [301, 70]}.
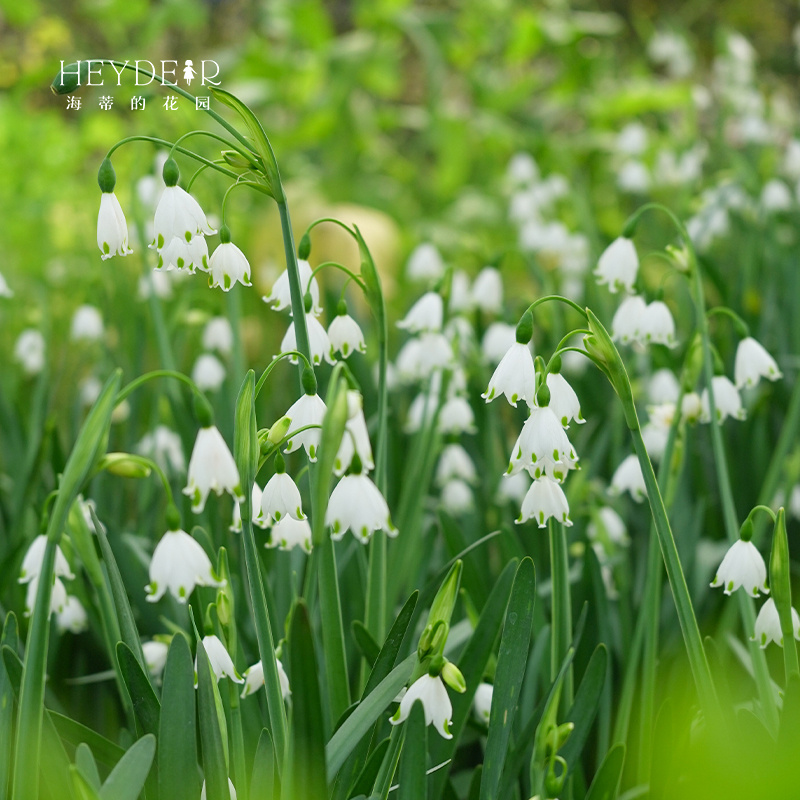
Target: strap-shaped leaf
{"type": "Point", "coordinates": [127, 779]}
{"type": "Point", "coordinates": [511, 662]}
{"type": "Point", "coordinates": [262, 783]}
{"type": "Point", "coordinates": [8, 639]}
{"type": "Point", "coordinates": [413, 780]}
{"type": "Point", "coordinates": [87, 766]}
{"type": "Point", "coordinates": [145, 703]}
{"type": "Point", "coordinates": [369, 648]}
{"type": "Point", "coordinates": [177, 738]}
{"type": "Point", "coordinates": [366, 780]}
{"type": "Point", "coordinates": [605, 783]}
{"type": "Point", "coordinates": [73, 732]}
{"type": "Point", "coordinates": [212, 736]}
{"type": "Point", "coordinates": [82, 788]}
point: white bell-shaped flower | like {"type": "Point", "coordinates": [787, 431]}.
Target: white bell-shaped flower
{"type": "Point", "coordinates": [208, 373]}
{"type": "Point", "coordinates": [513, 488]}
{"type": "Point", "coordinates": [346, 336]}
{"type": "Point", "coordinates": [179, 564]}
{"type": "Point", "coordinates": [356, 504]}
{"type": "Point", "coordinates": [211, 467]}
{"type": "Point", "coordinates": [112, 229]}
{"type": "Point", "coordinates": [743, 566]}
{"type": "Point", "coordinates": [482, 702]}
{"type": "Point", "coordinates": [255, 504]}
{"type": "Point", "coordinates": [618, 265]}
{"type": "Point", "coordinates": [487, 291]}
{"type": "Point", "coordinates": [663, 387]}
{"type": "Point", "coordinates": [457, 497]}
{"type": "Point", "coordinates": [281, 297]}
{"type": "Point", "coordinates": [455, 462]}
{"type": "Point", "coordinates": [555, 470]}
{"type": "Point", "coordinates": [308, 410]}
{"type": "Point", "coordinates": [58, 597]}
{"type": "Point", "coordinates": [727, 401]}
{"type": "Point", "coordinates": [355, 439]}
{"type": "Point", "coordinates": [318, 341]}
{"type": "Point", "coordinates": [289, 533]}
{"type": "Point", "coordinates": [87, 325]}
{"type": "Point", "coordinates": [515, 376]}
{"type": "Point", "coordinates": [542, 439]}
{"type": "Point", "coordinates": [178, 214]}
{"type": "Point", "coordinates": [164, 446]}
{"type": "Point", "coordinates": [456, 417]}
{"type": "Point", "coordinates": [563, 400]}
{"type": "Point", "coordinates": [460, 297]}
{"type": "Point", "coordinates": [231, 790]}
{"type": "Point", "coordinates": [627, 321]}
{"type": "Point", "coordinates": [72, 617]}
{"type": "Point", "coordinates": [155, 656]}
{"type": "Point", "coordinates": [425, 315]}
{"type": "Point", "coordinates": [607, 528]}
{"type": "Point", "coordinates": [431, 692]}
{"type": "Point", "coordinates": [5, 290]}
{"type": "Point", "coordinates": [425, 263]}
{"type": "Point", "coordinates": [768, 625]}
{"type": "Point", "coordinates": [220, 660]}
{"type": "Point", "coordinates": [281, 497]}
{"type": "Point", "coordinates": [218, 335]}
{"type": "Point", "coordinates": [32, 563]}
{"type": "Point", "coordinates": [656, 325]}
{"type": "Point", "coordinates": [182, 255]}
{"type": "Point", "coordinates": [421, 356]}
{"type": "Point", "coordinates": [545, 499]}
{"type": "Point", "coordinates": [29, 351]}
{"type": "Point", "coordinates": [499, 337]}
{"type": "Point", "coordinates": [691, 407]}
{"type": "Point", "coordinates": [254, 679]}
{"type": "Point", "coordinates": [228, 264]}
{"type": "Point", "coordinates": [628, 477]}
{"type": "Point", "coordinates": [752, 363]}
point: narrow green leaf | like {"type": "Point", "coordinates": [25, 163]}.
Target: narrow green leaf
{"type": "Point", "coordinates": [177, 737]}
{"type": "Point", "coordinates": [8, 639]}
{"type": "Point", "coordinates": [511, 662]}
{"type": "Point", "coordinates": [412, 778]}
{"type": "Point", "coordinates": [211, 736]}
{"type": "Point", "coordinates": [366, 780]}
{"type": "Point", "coordinates": [306, 775]}
{"type": "Point", "coordinates": [474, 792]}
{"type": "Point", "coordinates": [145, 703]}
{"type": "Point", "coordinates": [262, 783]}
{"type": "Point", "coordinates": [73, 732]}
{"type": "Point", "coordinates": [605, 783]}
{"type": "Point", "coordinates": [81, 787]}
{"type": "Point", "coordinates": [391, 647]}
{"type": "Point", "coordinates": [84, 761]}
{"type": "Point", "coordinates": [369, 648]}
{"type": "Point", "coordinates": [127, 779]}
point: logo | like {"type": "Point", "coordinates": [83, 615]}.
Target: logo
{"type": "Point", "coordinates": [144, 72]}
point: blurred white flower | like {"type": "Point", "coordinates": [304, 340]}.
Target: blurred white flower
{"type": "Point", "coordinates": [72, 617]}
{"type": "Point", "coordinates": [726, 401]}
{"type": "Point", "coordinates": [656, 325]}
{"type": "Point", "coordinates": [522, 170]}
{"type": "Point", "coordinates": [627, 321]}
{"type": "Point", "coordinates": [422, 355]}
{"type": "Point", "coordinates": [460, 297]}
{"type": "Point", "coordinates": [208, 373]}
{"type": "Point", "coordinates": [632, 139]}
{"type": "Point", "coordinates": [454, 462]}
{"type": "Point", "coordinates": [628, 477]}
{"type": "Point", "coordinates": [218, 335]}
{"type": "Point", "coordinates": [487, 291]}
{"type": "Point", "coordinates": [87, 325]}
{"type": "Point", "coordinates": [607, 527]}
{"type": "Point", "coordinates": [32, 563]}
{"type": "Point", "coordinates": [425, 263]}
{"type": "Point", "coordinates": [58, 597]}
{"type": "Point", "coordinates": [776, 196]}
{"type": "Point", "coordinates": [663, 387]}
{"type": "Point", "coordinates": [355, 439]}
{"type": "Point", "coordinates": [5, 291]}
{"type": "Point", "coordinates": [155, 656]}
{"type": "Point", "coordinates": [457, 497]}
{"type": "Point", "coordinates": [744, 566]}
{"type": "Point", "coordinates": [670, 50]}
{"type": "Point", "coordinates": [513, 488]}
{"type": "Point", "coordinates": [155, 284]}
{"type": "Point", "coordinates": [456, 417]}
{"type": "Point", "coordinates": [318, 340]}
{"type": "Point", "coordinates": [280, 296]}
{"type": "Point", "coordinates": [768, 625]}
{"type": "Point", "coordinates": [425, 315]}
{"type": "Point", "coordinates": [482, 702]}
{"type": "Point", "coordinates": [211, 467]}
{"type": "Point", "coordinates": [618, 265]}
{"type": "Point", "coordinates": [752, 363]}
{"type": "Point", "coordinates": [164, 446]}
{"type": "Point", "coordinates": [89, 390]}
{"type": "Point", "coordinates": [634, 177]}
{"type": "Point", "coordinates": [498, 339]}
{"type": "Point", "coordinates": [691, 407]}
{"type": "Point", "coordinates": [254, 679]}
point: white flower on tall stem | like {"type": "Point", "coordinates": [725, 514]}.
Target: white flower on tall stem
{"type": "Point", "coordinates": [228, 264]}
{"type": "Point", "coordinates": [179, 564]}
{"type": "Point", "coordinates": [281, 497]}
{"type": "Point", "coordinates": [255, 505]}
{"type": "Point", "coordinates": [618, 265]}
{"type": "Point", "coordinates": [208, 373]}
{"type": "Point", "coordinates": [628, 477]}
{"type": "Point", "coordinates": [482, 702]}
{"type": "Point", "coordinates": [112, 228]}
{"type": "Point", "coordinates": [32, 563]}
{"type": "Point", "coordinates": [254, 679]}
{"type": "Point", "coordinates": [768, 625]}
{"type": "Point", "coordinates": [425, 315]}
{"type": "Point", "coordinates": [58, 597]}
{"type": "Point", "coordinates": [87, 324]}
{"type": "Point", "coordinates": [182, 255]}
{"type": "Point", "coordinates": [743, 566]}
{"type": "Point", "coordinates": [178, 213]}
{"type": "Point", "coordinates": [487, 291]}
{"type": "Point", "coordinates": [355, 439]}
{"type": "Point", "coordinates": [318, 341]}
{"type": "Point", "coordinates": [308, 410]}
{"type": "Point", "coordinates": [425, 263]}
{"type": "Point", "coordinates": [454, 462]}
{"type": "Point", "coordinates": [220, 660]}
{"type": "Point", "coordinates": [289, 533]}
{"type": "Point", "coordinates": [726, 401]}
{"type": "Point", "coordinates": [752, 363]}
{"type": "Point", "coordinates": [281, 297]}
{"type": "Point", "coordinates": [656, 325]}
{"type": "Point", "coordinates": [563, 400]}
{"type": "Point", "coordinates": [515, 376]}
{"type": "Point", "coordinates": [456, 417]}
{"type": "Point", "coordinates": [438, 709]}
{"type": "Point", "coordinates": [29, 351]}
{"type": "Point", "coordinates": [211, 467]}
{"type": "Point", "coordinates": [627, 321]}
{"type": "Point", "coordinates": [218, 335]}
{"type": "Point", "coordinates": [345, 335]}
{"type": "Point", "coordinates": [545, 499]}
{"type": "Point", "coordinates": [356, 504]}
{"type": "Point", "coordinates": [542, 439]}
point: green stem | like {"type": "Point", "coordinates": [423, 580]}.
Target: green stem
{"type": "Point", "coordinates": [126, 391]}
{"type": "Point", "coordinates": [237, 742]}
{"type": "Point", "coordinates": [561, 626]}
{"type": "Point", "coordinates": [275, 362]}
{"type": "Point", "coordinates": [340, 267]}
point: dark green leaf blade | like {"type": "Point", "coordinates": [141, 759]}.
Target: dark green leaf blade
{"type": "Point", "coordinates": [127, 779]}
{"type": "Point", "coordinates": [143, 698]}
{"type": "Point", "coordinates": [604, 785]}
{"type": "Point", "coordinates": [412, 776]}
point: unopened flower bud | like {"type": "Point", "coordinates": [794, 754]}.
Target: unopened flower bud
{"type": "Point", "coordinates": [452, 676]}
{"type": "Point", "coordinates": [309, 380]}
{"type": "Point", "coordinates": [124, 465]}
{"type": "Point", "coordinates": [279, 430]}
{"type": "Point", "coordinates": [106, 177]}
{"type": "Point", "coordinates": [70, 78]}
{"type": "Point", "coordinates": [543, 396]}
{"type": "Point", "coordinates": [170, 172]}
{"type": "Point", "coordinates": [525, 328]}
{"type": "Point", "coordinates": [203, 411]}
{"type": "Point", "coordinates": [304, 248]}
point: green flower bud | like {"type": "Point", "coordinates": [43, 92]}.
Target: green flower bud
{"type": "Point", "coordinates": [543, 396]}
{"type": "Point", "coordinates": [308, 302]}
{"type": "Point", "coordinates": [70, 78]}
{"type": "Point", "coordinates": [309, 379]}
{"type": "Point", "coordinates": [452, 676]}
{"type": "Point", "coordinates": [304, 248]}
{"type": "Point", "coordinates": [525, 328]}
{"type": "Point", "coordinates": [279, 430]}
{"type": "Point", "coordinates": [236, 159]}
{"type": "Point", "coordinates": [203, 411]}
{"type": "Point", "coordinates": [173, 517]}
{"type": "Point", "coordinates": [124, 465]}
{"type": "Point", "coordinates": [106, 177]}
{"type": "Point", "coordinates": [445, 600]}
{"type": "Point", "coordinates": [224, 234]}
{"type": "Point", "coordinates": [341, 308]}
{"type": "Point", "coordinates": [171, 173]}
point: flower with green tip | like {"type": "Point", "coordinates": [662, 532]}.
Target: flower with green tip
{"type": "Point", "coordinates": [219, 658]}
{"type": "Point", "coordinates": [768, 625]}
{"type": "Point", "coordinates": [752, 363]}
{"type": "Point", "coordinates": [545, 499]}
{"type": "Point", "coordinates": [514, 377]}
{"type": "Point", "coordinates": [438, 709]}
{"type": "Point", "coordinates": [628, 477]}
{"type": "Point", "coordinates": [727, 401]}
{"type": "Point", "coordinates": [356, 504]}
{"type": "Point", "coordinates": [563, 400]}
{"type": "Point", "coordinates": [32, 563]}
{"type": "Point", "coordinates": [318, 341]}
{"type": "Point", "coordinates": [228, 264]}
{"type": "Point", "coordinates": [112, 228]}
{"type": "Point", "coordinates": [346, 336]}
{"type": "Point", "coordinates": [743, 566]}
{"type": "Point", "coordinates": [280, 497]}
{"type": "Point", "coordinates": [182, 255]}
{"type": "Point", "coordinates": [482, 702]}
{"type": "Point", "coordinates": [427, 314]}
{"type": "Point", "coordinates": [618, 265]}
{"type": "Point", "coordinates": [254, 679]}
{"type": "Point", "coordinates": [211, 467]}
{"type": "Point", "coordinates": [308, 410]}
{"type": "Point", "coordinates": [288, 533]}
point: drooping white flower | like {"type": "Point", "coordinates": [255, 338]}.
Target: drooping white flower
{"type": "Point", "coordinates": [457, 497]}
{"type": "Point", "coordinates": [607, 527]}
{"type": "Point", "coordinates": [421, 356]}
{"type": "Point", "coordinates": [183, 255]}
{"type": "Point", "coordinates": [752, 363]}
{"type": "Point", "coordinates": [228, 264]}
{"type": "Point", "coordinates": [58, 597]}
{"type": "Point", "coordinates": [743, 566]}
{"type": "Point", "coordinates": [346, 336]}
{"type": "Point", "coordinates": [425, 263]}
{"type": "Point", "coordinates": [656, 325]}
{"type": "Point", "coordinates": [545, 499]}
{"type": "Point", "coordinates": [32, 563]}
{"type": "Point", "coordinates": [727, 402]}
{"type": "Point", "coordinates": [460, 297]}
{"type": "Point", "coordinates": [280, 297]}
{"type": "Point", "coordinates": [164, 446]}
{"type": "Point", "coordinates": [308, 410]}
{"type": "Point", "coordinates": [208, 373]}
{"type": "Point", "coordinates": [155, 656]}
{"type": "Point", "coordinates": [254, 679]}
{"type": "Point", "coordinates": [29, 351]}
{"type": "Point", "coordinates": [211, 467]}
{"type": "Point", "coordinates": [290, 533]}
{"type": "Point", "coordinates": [627, 321]}
{"type": "Point", "coordinates": [355, 439]}
{"type": "Point", "coordinates": [318, 341]}
{"type": "Point", "coordinates": [691, 407]}
{"type": "Point", "coordinates": [5, 291]}
{"type": "Point", "coordinates": [231, 790]}
{"type": "Point", "coordinates": [218, 335]}
{"type": "Point", "coordinates": [436, 704]}
{"type": "Point", "coordinates": [87, 325]}
{"type": "Point", "coordinates": [255, 504]}
{"type": "Point", "coordinates": [72, 617]}
{"type": "Point", "coordinates": [663, 387]}
{"type": "Point", "coordinates": [515, 376]}
{"type": "Point", "coordinates": [155, 284]}
{"type": "Point", "coordinates": [542, 440]}
{"type": "Point", "coordinates": [178, 214]}
{"type": "Point", "coordinates": [281, 497]}
{"type": "Point", "coordinates": [112, 229]}
{"type": "Point", "coordinates": [454, 462]}
{"type": "Point", "coordinates": [776, 196]}
{"type": "Point", "coordinates": [768, 625]}
{"type": "Point", "coordinates": [356, 504]}
{"type": "Point", "coordinates": [628, 477]}
{"type": "Point", "coordinates": [179, 564]}
{"type": "Point", "coordinates": [618, 265]}
{"type": "Point", "coordinates": [563, 400]}
{"type": "Point", "coordinates": [487, 291]}
{"type": "Point", "coordinates": [456, 417]}
{"type": "Point", "coordinates": [219, 658]}
{"type": "Point", "coordinates": [426, 314]}
{"type": "Point", "coordinates": [497, 340]}
{"type": "Point", "coordinates": [634, 177]}
{"type": "Point", "coordinates": [482, 702]}
{"type": "Point", "coordinates": [513, 488]}
{"type": "Point", "coordinates": [89, 389]}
